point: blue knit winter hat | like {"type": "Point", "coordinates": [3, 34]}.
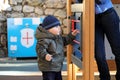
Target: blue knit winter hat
{"type": "Point", "coordinates": [50, 21]}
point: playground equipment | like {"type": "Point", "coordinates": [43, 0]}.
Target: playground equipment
{"type": "Point", "coordinates": [86, 7]}
{"type": "Point", "coordinates": [87, 46]}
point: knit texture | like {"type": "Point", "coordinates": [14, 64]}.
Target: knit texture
{"type": "Point", "coordinates": [50, 21]}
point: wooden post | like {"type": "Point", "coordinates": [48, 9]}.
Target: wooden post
{"type": "Point", "coordinates": [88, 39]}
{"type": "Point", "coordinates": [92, 43]}
{"type": "Point", "coordinates": [69, 47]}
{"type": "Point", "coordinates": [75, 72]}
{"type": "Point", "coordinates": [85, 40]}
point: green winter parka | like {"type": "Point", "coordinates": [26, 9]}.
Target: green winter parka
{"type": "Point", "coordinates": [47, 43]}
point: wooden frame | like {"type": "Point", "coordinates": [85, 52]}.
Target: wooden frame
{"type": "Point", "coordinates": [87, 42]}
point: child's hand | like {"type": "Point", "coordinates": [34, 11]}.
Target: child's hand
{"type": "Point", "coordinates": [48, 57]}
{"type": "Point", "coordinates": [75, 32]}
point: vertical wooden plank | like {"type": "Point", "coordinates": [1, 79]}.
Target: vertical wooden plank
{"type": "Point", "coordinates": [85, 40]}
{"type": "Point", "coordinates": [69, 47]}
{"type": "Point", "coordinates": [74, 72]}
{"type": "Point", "coordinates": [92, 20]}
{"type": "Point", "coordinates": [69, 64]}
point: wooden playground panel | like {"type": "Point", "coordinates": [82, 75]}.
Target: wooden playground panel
{"type": "Point", "coordinates": [88, 63]}
{"type": "Point", "coordinates": [87, 8]}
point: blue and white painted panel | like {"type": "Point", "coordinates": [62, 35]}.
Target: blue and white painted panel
{"type": "Point", "coordinates": [21, 39]}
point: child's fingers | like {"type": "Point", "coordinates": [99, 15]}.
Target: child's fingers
{"type": "Point", "coordinates": [48, 57]}
{"type": "Point", "coordinates": [75, 32]}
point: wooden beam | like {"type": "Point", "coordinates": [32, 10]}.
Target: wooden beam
{"type": "Point", "coordinates": [92, 43]}
{"type": "Point", "coordinates": [74, 72]}
{"type": "Point", "coordinates": [85, 40]}
{"type": "Point", "coordinates": [69, 47]}
{"type": "Point", "coordinates": [88, 40]}
{"type": "Point", "coordinates": [116, 1]}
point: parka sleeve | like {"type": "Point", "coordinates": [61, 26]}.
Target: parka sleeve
{"type": "Point", "coordinates": [41, 48]}
{"type": "Point", "coordinates": [68, 39]}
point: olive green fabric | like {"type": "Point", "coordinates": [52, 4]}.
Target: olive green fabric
{"type": "Point", "coordinates": [48, 43]}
